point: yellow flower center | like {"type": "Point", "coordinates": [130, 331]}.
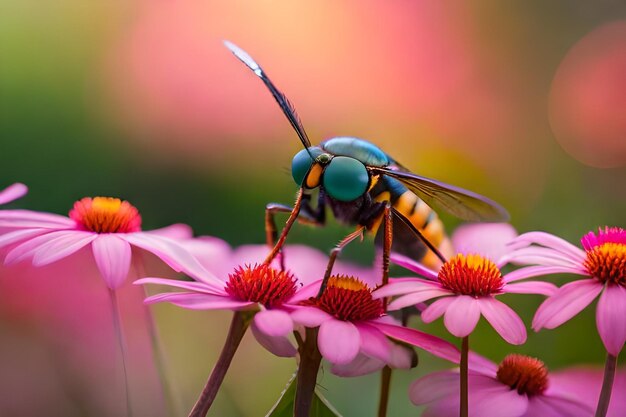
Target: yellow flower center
{"type": "Point", "coordinates": [471, 275]}
{"type": "Point", "coordinates": [607, 263]}
{"type": "Point", "coordinates": [106, 215]}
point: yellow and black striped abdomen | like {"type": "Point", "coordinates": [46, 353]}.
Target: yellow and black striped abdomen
{"type": "Point", "coordinates": [421, 216]}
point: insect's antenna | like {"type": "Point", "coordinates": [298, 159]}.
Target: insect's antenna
{"type": "Point", "coordinates": [280, 98]}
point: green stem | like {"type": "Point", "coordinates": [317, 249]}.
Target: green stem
{"type": "Point", "coordinates": [117, 324]}
{"type": "Point", "coordinates": [464, 374]}
{"type": "Point", "coordinates": [310, 359]}
{"type": "Point", "coordinates": [607, 385]}
{"type": "Point", "coordinates": [385, 384]}
{"type": "Point", "coordinates": [238, 327]}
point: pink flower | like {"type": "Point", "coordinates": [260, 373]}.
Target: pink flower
{"type": "Point", "coordinates": [355, 335]}
{"type": "Point", "coordinates": [602, 262]}
{"type": "Point", "coordinates": [12, 192]}
{"type": "Point", "coordinates": [466, 285]}
{"type": "Point", "coordinates": [519, 387]}
{"type": "Point", "coordinates": [109, 226]}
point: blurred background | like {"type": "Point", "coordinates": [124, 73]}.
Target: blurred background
{"type": "Point", "coordinates": [522, 102]}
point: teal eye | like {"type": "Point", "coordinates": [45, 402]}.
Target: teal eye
{"type": "Point", "coordinates": [300, 166]}
{"type": "Point", "coordinates": [345, 179]}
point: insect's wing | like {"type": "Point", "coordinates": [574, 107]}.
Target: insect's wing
{"type": "Point", "coordinates": [282, 100]}
{"type": "Point", "coordinates": [461, 203]}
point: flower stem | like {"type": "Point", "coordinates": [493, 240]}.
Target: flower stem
{"type": "Point", "coordinates": [117, 324]}
{"type": "Point", "coordinates": [310, 358]}
{"type": "Point", "coordinates": [238, 327]}
{"type": "Point", "coordinates": [385, 383]}
{"type": "Point", "coordinates": [607, 385]}
{"type": "Point", "coordinates": [157, 351]}
{"type": "Point", "coordinates": [464, 373]}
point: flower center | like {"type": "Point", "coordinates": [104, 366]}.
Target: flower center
{"type": "Point", "coordinates": [348, 299]}
{"type": "Point", "coordinates": [525, 374]}
{"type": "Point", "coordinates": [606, 255]}
{"type": "Point", "coordinates": [261, 284]}
{"type": "Point", "coordinates": [471, 275]}
{"type": "Point", "coordinates": [106, 215]}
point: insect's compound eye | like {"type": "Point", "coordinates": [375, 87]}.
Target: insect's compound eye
{"type": "Point", "coordinates": [345, 179]}
{"type": "Point", "coordinates": [300, 165]}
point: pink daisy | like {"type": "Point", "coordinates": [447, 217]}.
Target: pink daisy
{"type": "Point", "coordinates": [109, 226]}
{"type": "Point", "coordinates": [466, 285]}
{"type": "Point", "coordinates": [12, 192]}
{"type": "Point", "coordinates": [602, 262]}
{"type": "Point", "coordinates": [519, 387]}
{"type": "Point", "coordinates": [355, 335]}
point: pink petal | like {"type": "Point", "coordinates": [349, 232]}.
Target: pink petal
{"type": "Point", "coordinates": [361, 365]}
{"type": "Point", "coordinates": [306, 292]}
{"type": "Point", "coordinates": [434, 386]}
{"type": "Point", "coordinates": [62, 247]}
{"type": "Point", "coordinates": [411, 265]}
{"type": "Point", "coordinates": [541, 256]}
{"type": "Point", "coordinates": [174, 255]}
{"type": "Point", "coordinates": [174, 231]}
{"type": "Point", "coordinates": [504, 320]}
{"type": "Point", "coordinates": [13, 192]}
{"type": "Point", "coordinates": [487, 239]}
{"type": "Point", "coordinates": [112, 256]}
{"type": "Point", "coordinates": [279, 346]}
{"type": "Point", "coordinates": [195, 301]}
{"type": "Point", "coordinates": [339, 341]}
{"type": "Point", "coordinates": [402, 357]}
{"type": "Point", "coordinates": [429, 343]}
{"type": "Point", "coordinates": [481, 365]}
{"type": "Point", "coordinates": [532, 287]}
{"type": "Point", "coordinates": [436, 309]}
{"type": "Point", "coordinates": [549, 406]}
{"type": "Point", "coordinates": [397, 286]}
{"type": "Point", "coordinates": [535, 271]}
{"type": "Point", "coordinates": [611, 318]}
{"type": "Point", "coordinates": [29, 218]}
{"type": "Point", "coordinates": [416, 298]}
{"type": "Point", "coordinates": [187, 285]}
{"type": "Point", "coordinates": [568, 301]}
{"type": "Point", "coordinates": [551, 241]}
{"type": "Point", "coordinates": [310, 316]}
{"type": "Point", "coordinates": [374, 343]}
{"type": "Point", "coordinates": [274, 323]}
{"type": "Point", "coordinates": [30, 247]}
{"type": "Point", "coordinates": [20, 235]}
{"type": "Point", "coordinates": [462, 315]}
{"type": "Point", "coordinates": [497, 400]}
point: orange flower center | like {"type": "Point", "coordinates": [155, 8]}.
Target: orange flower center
{"type": "Point", "coordinates": [106, 215]}
{"type": "Point", "coordinates": [261, 284]}
{"type": "Point", "coordinates": [607, 263]}
{"type": "Point", "coordinates": [471, 275]}
{"type": "Point", "coordinates": [525, 374]}
{"type": "Point", "coordinates": [348, 299]}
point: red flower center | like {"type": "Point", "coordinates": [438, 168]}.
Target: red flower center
{"type": "Point", "coordinates": [471, 275]}
{"type": "Point", "coordinates": [348, 299]}
{"type": "Point", "coordinates": [606, 255]}
{"type": "Point", "coordinates": [525, 374]}
{"type": "Point", "coordinates": [106, 215]}
{"type": "Point", "coordinates": [261, 284]}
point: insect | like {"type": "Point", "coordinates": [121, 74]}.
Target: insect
{"type": "Point", "coordinates": [365, 187]}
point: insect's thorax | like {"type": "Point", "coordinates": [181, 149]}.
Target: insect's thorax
{"type": "Point", "coordinates": [362, 150]}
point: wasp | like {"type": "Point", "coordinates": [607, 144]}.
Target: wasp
{"type": "Point", "coordinates": [366, 187]}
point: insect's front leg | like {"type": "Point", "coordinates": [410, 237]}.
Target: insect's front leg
{"type": "Point", "coordinates": [301, 211]}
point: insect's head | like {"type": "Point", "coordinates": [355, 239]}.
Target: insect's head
{"type": "Point", "coordinates": [343, 178]}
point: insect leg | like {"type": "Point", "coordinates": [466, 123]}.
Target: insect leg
{"type": "Point", "coordinates": [387, 239]}
{"type": "Point", "coordinates": [335, 252]}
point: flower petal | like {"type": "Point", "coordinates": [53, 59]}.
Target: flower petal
{"type": "Point", "coordinates": [306, 292]}
{"type": "Point", "coordinates": [541, 256]}
{"type": "Point", "coordinates": [568, 301]}
{"type": "Point", "coordinates": [200, 287]}
{"type": "Point", "coordinates": [273, 323]}
{"type": "Point", "coordinates": [611, 318]}
{"type": "Point", "coordinates": [412, 265]}
{"type": "Point", "coordinates": [374, 343]}
{"type": "Point", "coordinates": [550, 241]}
{"type": "Point", "coordinates": [361, 365]}
{"type": "Point", "coordinates": [196, 301]}
{"type": "Point", "coordinates": [462, 315]}
{"type": "Point", "coordinates": [487, 239]}
{"type": "Point", "coordinates": [504, 320]}
{"type": "Point", "coordinates": [497, 400]}
{"type": "Point", "coordinates": [339, 341]}
{"type": "Point", "coordinates": [551, 406]}
{"type": "Point", "coordinates": [29, 218]}
{"type": "Point", "coordinates": [532, 287]}
{"type": "Point", "coordinates": [535, 271]}
{"type": "Point", "coordinates": [62, 246]}
{"type": "Point", "coordinates": [434, 386]}
{"type": "Point", "coordinates": [416, 298]}
{"type": "Point", "coordinates": [20, 235]}
{"type": "Point", "coordinates": [310, 316]}
{"type": "Point", "coordinates": [174, 231]}
{"type": "Point", "coordinates": [429, 343]}
{"type": "Point", "coordinates": [279, 346]}
{"type": "Point", "coordinates": [13, 192]}
{"type": "Point", "coordinates": [397, 286]}
{"type": "Point", "coordinates": [112, 256]}
{"type": "Point", "coordinates": [436, 309]}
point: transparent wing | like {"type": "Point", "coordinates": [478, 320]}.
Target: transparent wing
{"type": "Point", "coordinates": [281, 99]}
{"type": "Point", "coordinates": [461, 203]}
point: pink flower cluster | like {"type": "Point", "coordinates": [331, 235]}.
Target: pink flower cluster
{"type": "Point", "coordinates": [352, 318]}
